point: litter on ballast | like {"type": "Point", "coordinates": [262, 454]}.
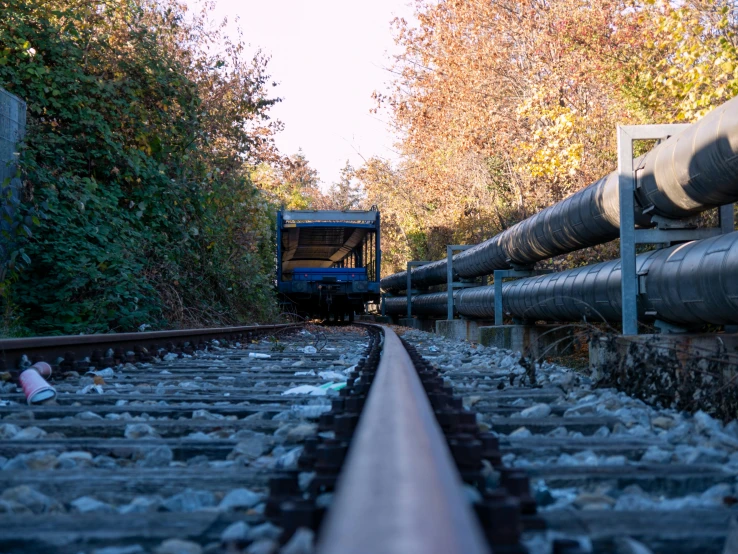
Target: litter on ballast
{"type": "Point", "coordinates": [35, 387]}
{"type": "Point", "coordinates": [310, 350]}
{"type": "Point", "coordinates": [312, 390]}
{"type": "Point", "coordinates": [258, 355]}
{"type": "Point", "coordinates": [331, 375]}
{"type": "Point", "coordinates": [89, 388]}
{"type": "Point", "coordinates": [311, 412]}
{"type": "Point", "coordinates": [44, 369]}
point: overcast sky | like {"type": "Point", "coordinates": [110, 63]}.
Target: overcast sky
{"type": "Point", "coordinates": [328, 56]}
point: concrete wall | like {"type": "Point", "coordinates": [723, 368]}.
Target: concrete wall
{"type": "Point", "coordinates": [460, 329]}
{"type": "Point", "coordinates": [427, 325]}
{"type": "Point", "coordinates": [12, 130]}
{"type": "Point", "coordinates": [684, 371]}
{"type": "Point", "coordinates": [532, 340]}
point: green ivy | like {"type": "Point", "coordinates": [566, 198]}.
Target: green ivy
{"type": "Point", "coordinates": [126, 219]}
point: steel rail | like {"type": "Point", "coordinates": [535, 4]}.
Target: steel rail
{"type": "Point", "coordinates": [48, 348]}
{"type": "Point", "coordinates": [399, 491]}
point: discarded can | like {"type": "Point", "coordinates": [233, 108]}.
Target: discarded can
{"type": "Point", "coordinates": [44, 369]}
{"type": "Point", "coordinates": [35, 387]}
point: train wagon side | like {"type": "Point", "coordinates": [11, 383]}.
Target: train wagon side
{"type": "Point", "coordinates": [328, 261]}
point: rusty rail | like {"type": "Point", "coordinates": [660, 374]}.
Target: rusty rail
{"type": "Point", "coordinates": [74, 347]}
{"type": "Point", "coordinates": [399, 490]}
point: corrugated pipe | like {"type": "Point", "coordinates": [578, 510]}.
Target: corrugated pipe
{"type": "Point", "coordinates": [435, 304]}
{"type": "Point", "coordinates": [689, 284]}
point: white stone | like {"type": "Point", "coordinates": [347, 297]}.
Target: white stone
{"type": "Point", "coordinates": [538, 410]}
{"type": "Point", "coordinates": [29, 433]}
{"type": "Point", "coordinates": [88, 416]}
{"type": "Point", "coordinates": [235, 532]}
{"type": "Point", "coordinates": [706, 423]}
{"type": "Point", "coordinates": [239, 499]}
{"type": "Point", "coordinates": [86, 505]}
{"type": "Point", "coordinates": [131, 549]}
{"type": "Point", "coordinates": [521, 432]}
{"type": "Point", "coordinates": [8, 431]}
{"type": "Point", "coordinates": [139, 431]}
{"type": "Point", "coordinates": [656, 455]}
{"type": "Point", "coordinates": [160, 456]}
{"type": "Point", "coordinates": [79, 457]}
{"type": "Point", "coordinates": [142, 505]}
{"type": "Point", "coordinates": [177, 546]}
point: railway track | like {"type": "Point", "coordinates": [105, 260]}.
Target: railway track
{"type": "Point", "coordinates": [602, 469]}
{"type": "Point", "coordinates": [163, 456]}
{"type": "Point", "coordinates": [253, 444]}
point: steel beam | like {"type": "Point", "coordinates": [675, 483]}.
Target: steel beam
{"type": "Point", "coordinates": [450, 249]}
{"type": "Point", "coordinates": [329, 215]}
{"type": "Point", "coordinates": [409, 283]}
{"type": "Point", "coordinates": [501, 274]}
{"type": "Point", "coordinates": [627, 134]}
{"type": "Point", "coordinates": [671, 236]}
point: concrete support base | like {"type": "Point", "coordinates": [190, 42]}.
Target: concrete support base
{"type": "Point", "coordinates": [416, 323]}
{"type": "Point", "coordinates": [411, 322]}
{"type": "Point", "coordinates": [366, 317]}
{"type": "Point", "coordinates": [682, 371]}
{"type": "Point", "coordinates": [532, 340]}
{"type": "Point", "coordinates": [460, 329]}
{"type": "Point", "coordinates": [387, 320]}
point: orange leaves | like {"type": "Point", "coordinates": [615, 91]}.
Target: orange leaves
{"type": "Point", "coordinates": [505, 107]}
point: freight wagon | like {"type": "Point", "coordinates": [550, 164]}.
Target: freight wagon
{"type": "Point", "coordinates": [328, 262]}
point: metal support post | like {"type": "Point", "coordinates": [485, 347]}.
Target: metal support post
{"type": "Point", "coordinates": [409, 284]}
{"type": "Point", "coordinates": [384, 305]}
{"type": "Point", "coordinates": [629, 237]}
{"type": "Point", "coordinates": [450, 285]}
{"type": "Point", "coordinates": [500, 274]}
{"type": "Point", "coordinates": [726, 218]}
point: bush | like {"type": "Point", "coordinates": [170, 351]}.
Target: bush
{"type": "Point", "coordinates": [135, 170]}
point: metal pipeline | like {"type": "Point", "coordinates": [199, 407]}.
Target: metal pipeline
{"type": "Point", "coordinates": [688, 284]}
{"type": "Point", "coordinates": [423, 276]}
{"type": "Point", "coordinates": [691, 172]}
{"type": "Point", "coordinates": [397, 305]}
{"type": "Point", "coordinates": [435, 304]}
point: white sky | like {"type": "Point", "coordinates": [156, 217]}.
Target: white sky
{"type": "Point", "coordinates": [328, 56]}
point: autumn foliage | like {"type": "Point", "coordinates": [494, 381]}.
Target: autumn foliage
{"type": "Point", "coordinates": [505, 107]}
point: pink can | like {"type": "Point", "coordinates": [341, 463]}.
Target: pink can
{"type": "Point", "coordinates": [35, 387]}
{"type": "Point", "coordinates": [44, 369]}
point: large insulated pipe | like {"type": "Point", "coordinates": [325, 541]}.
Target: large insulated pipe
{"type": "Point", "coordinates": [432, 274]}
{"type": "Point", "coordinates": [395, 305]}
{"type": "Point", "coordinates": [435, 304]}
{"type": "Point", "coordinates": [689, 284]}
{"type": "Point", "coordinates": [690, 172]}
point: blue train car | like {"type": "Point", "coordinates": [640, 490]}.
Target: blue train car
{"type": "Point", "coordinates": [328, 262]}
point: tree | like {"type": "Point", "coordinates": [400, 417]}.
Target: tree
{"type": "Point", "coordinates": [502, 108]}
{"type": "Point", "coordinates": [134, 164]}
{"type": "Point", "coordinates": [346, 194]}
{"type": "Point", "coordinates": [291, 183]}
